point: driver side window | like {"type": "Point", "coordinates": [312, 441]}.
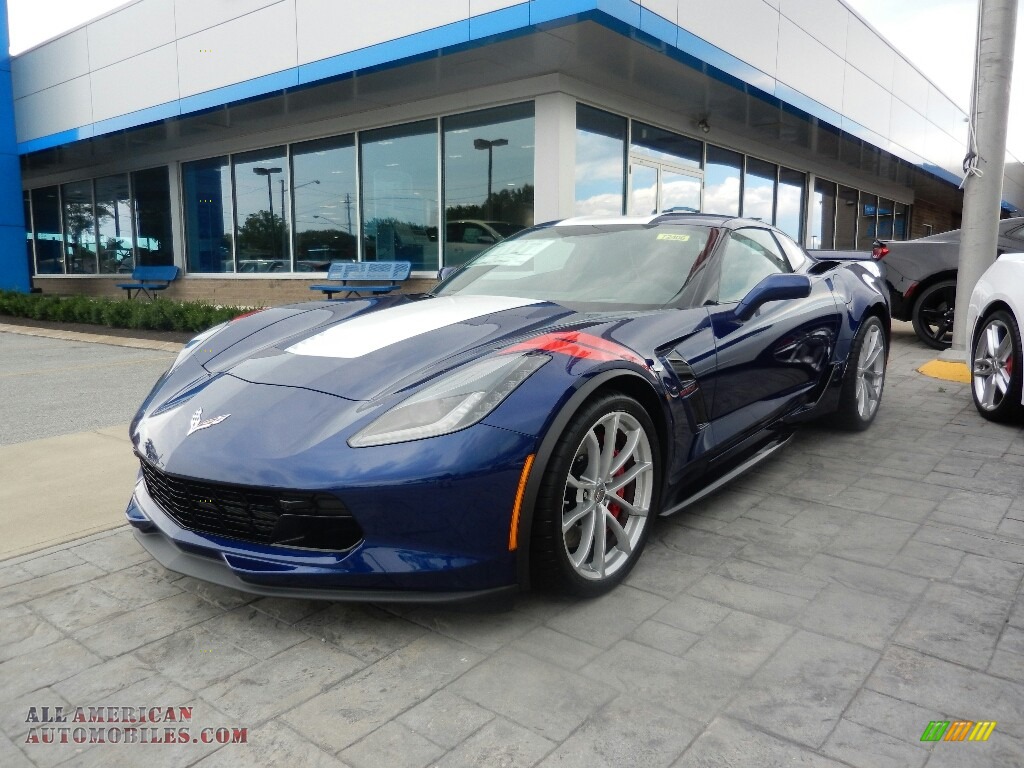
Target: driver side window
{"type": "Point", "coordinates": [749, 257]}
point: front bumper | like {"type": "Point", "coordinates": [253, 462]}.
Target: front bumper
{"type": "Point", "coordinates": [428, 537]}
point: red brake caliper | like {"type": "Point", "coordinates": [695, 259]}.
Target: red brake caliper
{"type": "Point", "coordinates": [615, 509]}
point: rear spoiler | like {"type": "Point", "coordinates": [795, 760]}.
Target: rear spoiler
{"type": "Point", "coordinates": [879, 250]}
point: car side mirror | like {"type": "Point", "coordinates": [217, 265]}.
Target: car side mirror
{"type": "Point", "coordinates": [776, 287]}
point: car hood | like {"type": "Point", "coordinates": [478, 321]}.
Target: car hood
{"type": "Point", "coordinates": [388, 345]}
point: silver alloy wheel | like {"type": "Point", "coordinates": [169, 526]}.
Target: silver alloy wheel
{"type": "Point", "coordinates": [870, 372]}
{"type": "Point", "coordinates": [607, 496]}
{"type": "Point", "coordinates": [993, 364]}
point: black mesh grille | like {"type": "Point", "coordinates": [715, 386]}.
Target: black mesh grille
{"type": "Point", "coordinates": [300, 519]}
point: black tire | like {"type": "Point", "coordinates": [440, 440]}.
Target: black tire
{"type": "Point", "coordinates": [851, 413]}
{"type": "Point", "coordinates": [933, 314]}
{"type": "Point", "coordinates": [552, 551]}
{"type": "Point", "coordinates": [992, 368]}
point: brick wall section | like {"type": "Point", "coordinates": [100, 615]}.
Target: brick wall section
{"type": "Point", "coordinates": [261, 292]}
{"type": "Point", "coordinates": [941, 218]}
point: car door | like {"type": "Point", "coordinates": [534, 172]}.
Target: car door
{"type": "Point", "coordinates": [776, 360]}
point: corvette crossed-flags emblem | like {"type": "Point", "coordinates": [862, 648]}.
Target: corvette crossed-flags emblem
{"type": "Point", "coordinates": [197, 423]}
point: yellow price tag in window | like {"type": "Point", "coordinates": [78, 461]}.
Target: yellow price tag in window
{"type": "Point", "coordinates": [671, 236]}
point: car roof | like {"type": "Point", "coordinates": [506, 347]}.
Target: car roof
{"type": "Point", "coordinates": [695, 219]}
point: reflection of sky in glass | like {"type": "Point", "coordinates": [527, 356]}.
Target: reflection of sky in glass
{"type": "Point", "coordinates": [400, 175]}
{"type": "Point", "coordinates": [823, 215]}
{"type": "Point", "coordinates": [664, 145]}
{"type": "Point", "coordinates": [600, 162]}
{"type": "Point", "coordinates": [399, 194]}
{"type": "Point", "coordinates": [255, 200]}
{"type": "Point", "coordinates": [643, 200]}
{"type": "Point", "coordinates": [759, 190]}
{"type": "Point", "coordinates": [325, 185]}
{"type": "Point", "coordinates": [722, 181]}
{"type": "Point", "coordinates": [790, 202]}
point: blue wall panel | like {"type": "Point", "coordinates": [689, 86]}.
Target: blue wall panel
{"type": "Point", "coordinates": [14, 274]}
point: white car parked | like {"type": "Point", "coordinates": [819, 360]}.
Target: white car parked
{"type": "Point", "coordinates": [994, 320]}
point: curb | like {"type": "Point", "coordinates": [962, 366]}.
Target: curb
{"type": "Point", "coordinates": [92, 338]}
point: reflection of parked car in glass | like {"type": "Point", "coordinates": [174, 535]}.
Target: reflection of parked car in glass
{"type": "Point", "coordinates": [465, 239]}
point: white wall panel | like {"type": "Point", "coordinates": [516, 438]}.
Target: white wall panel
{"type": "Point", "coordinates": [866, 102]}
{"type": "Point", "coordinates": [667, 9]}
{"type": "Point", "coordinates": [53, 110]}
{"type": "Point", "coordinates": [477, 7]}
{"type": "Point", "coordinates": [825, 21]}
{"type": "Point", "coordinates": [869, 53]}
{"type": "Point", "coordinates": [250, 46]}
{"type": "Point", "coordinates": [910, 85]}
{"type": "Point", "coordinates": [60, 60]}
{"type": "Point", "coordinates": [823, 81]}
{"type": "Point", "coordinates": [327, 28]}
{"type": "Point", "coordinates": [755, 40]}
{"type": "Point", "coordinates": [134, 30]}
{"type": "Point", "coordinates": [142, 81]}
{"type": "Point", "coordinates": [943, 113]}
{"type": "Point", "coordinates": [907, 126]}
{"type": "Point", "coordinates": [193, 16]}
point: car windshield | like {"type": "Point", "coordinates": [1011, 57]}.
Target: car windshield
{"type": "Point", "coordinates": [591, 266]}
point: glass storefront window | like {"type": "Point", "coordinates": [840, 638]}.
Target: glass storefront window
{"type": "Point", "coordinates": [846, 219]}
{"type": "Point", "coordinates": [885, 219]}
{"type": "Point", "coordinates": [600, 162]}
{"type": "Point", "coordinates": [207, 201]}
{"type": "Point", "coordinates": [867, 229]}
{"type": "Point", "coordinates": [664, 145]}
{"type": "Point", "coordinates": [79, 221]}
{"type": "Point", "coordinates": [26, 201]}
{"type": "Point", "coordinates": [789, 203]}
{"type": "Point", "coordinates": [488, 178]}
{"type": "Point", "coordinates": [823, 215]}
{"type": "Point", "coordinates": [759, 190]}
{"type": "Point", "coordinates": [399, 194]}
{"type": "Point", "coordinates": [899, 228]}
{"type": "Point", "coordinates": [49, 244]}
{"type": "Point", "coordinates": [114, 224]}
{"type": "Point", "coordinates": [722, 173]}
{"type": "Point", "coordinates": [324, 191]}
{"type": "Point", "coordinates": [152, 191]}
{"type": "Point", "coordinates": [262, 220]}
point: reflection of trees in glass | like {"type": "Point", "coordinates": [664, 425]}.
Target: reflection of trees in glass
{"type": "Point", "coordinates": [261, 232]}
{"type": "Point", "coordinates": [510, 205]}
{"type": "Point", "coordinates": [80, 235]}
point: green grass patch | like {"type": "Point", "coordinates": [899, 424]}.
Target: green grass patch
{"type": "Point", "coordinates": [156, 315]}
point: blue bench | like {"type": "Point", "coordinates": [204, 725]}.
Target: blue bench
{"type": "Point", "coordinates": [148, 280]}
{"type": "Point", "coordinates": [364, 277]}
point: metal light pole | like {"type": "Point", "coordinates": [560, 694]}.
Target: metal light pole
{"type": "Point", "coordinates": [489, 146]}
{"type": "Point", "coordinates": [259, 171]}
{"type": "Point", "coordinates": [983, 192]}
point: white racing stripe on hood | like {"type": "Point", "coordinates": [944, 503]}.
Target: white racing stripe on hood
{"type": "Point", "coordinates": [376, 330]}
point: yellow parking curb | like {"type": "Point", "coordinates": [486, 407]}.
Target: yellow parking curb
{"type": "Point", "coordinates": [941, 369]}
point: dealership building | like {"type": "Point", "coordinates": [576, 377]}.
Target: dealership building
{"type": "Point", "coordinates": [254, 142]}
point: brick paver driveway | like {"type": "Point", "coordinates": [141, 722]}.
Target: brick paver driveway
{"type": "Point", "coordinates": [821, 612]}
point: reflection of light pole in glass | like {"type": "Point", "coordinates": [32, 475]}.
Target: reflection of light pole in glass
{"type": "Point", "coordinates": [259, 171]}
{"type": "Point", "coordinates": [489, 146]}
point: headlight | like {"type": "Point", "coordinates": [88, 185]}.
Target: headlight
{"type": "Point", "coordinates": [189, 348]}
{"type": "Point", "coordinates": [455, 401]}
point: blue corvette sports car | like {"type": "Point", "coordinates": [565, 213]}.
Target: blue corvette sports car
{"type": "Point", "coordinates": [522, 424]}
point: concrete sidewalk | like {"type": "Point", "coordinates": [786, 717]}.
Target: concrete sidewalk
{"type": "Point", "coordinates": [821, 611]}
{"type": "Point", "coordinates": [66, 464]}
